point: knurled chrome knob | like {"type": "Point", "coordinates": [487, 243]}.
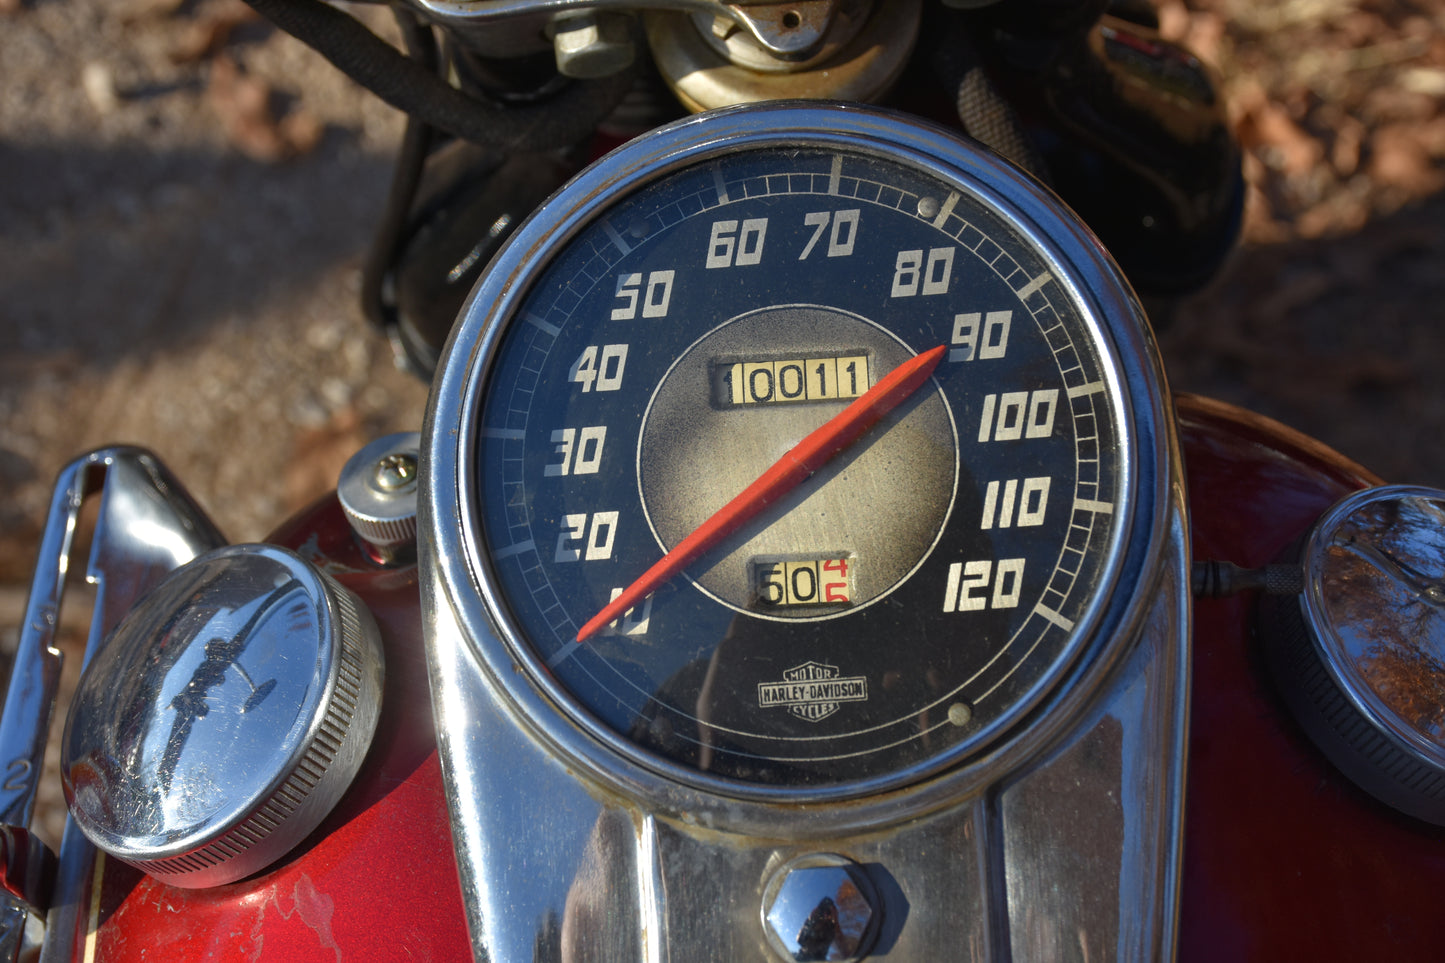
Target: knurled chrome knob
{"type": "Point", "coordinates": [378, 492]}
{"type": "Point", "coordinates": [224, 718]}
{"type": "Point", "coordinates": [1359, 655]}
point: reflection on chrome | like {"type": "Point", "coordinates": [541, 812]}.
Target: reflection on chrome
{"type": "Point", "coordinates": [1360, 656]}
{"type": "Point", "coordinates": [178, 762]}
{"type": "Point", "coordinates": [146, 526]}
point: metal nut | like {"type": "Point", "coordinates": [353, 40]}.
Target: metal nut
{"type": "Point", "coordinates": [821, 907]}
{"type": "Point", "coordinates": [592, 44]}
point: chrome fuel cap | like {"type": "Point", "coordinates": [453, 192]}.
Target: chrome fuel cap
{"type": "Point", "coordinates": [224, 717]}
{"type": "Point", "coordinates": [1359, 655]}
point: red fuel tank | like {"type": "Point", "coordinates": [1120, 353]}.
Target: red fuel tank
{"type": "Point", "coordinates": [1284, 858]}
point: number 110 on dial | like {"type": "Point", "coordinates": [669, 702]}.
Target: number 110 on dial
{"type": "Point", "coordinates": [809, 581]}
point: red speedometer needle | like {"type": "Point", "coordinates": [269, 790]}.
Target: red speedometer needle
{"type": "Point", "coordinates": [800, 461]}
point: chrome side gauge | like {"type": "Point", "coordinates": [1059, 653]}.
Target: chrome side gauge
{"type": "Point", "coordinates": [797, 455]}
{"type": "Point", "coordinates": [1356, 654]}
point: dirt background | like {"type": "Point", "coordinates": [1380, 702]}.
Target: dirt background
{"type": "Point", "coordinates": [185, 196]}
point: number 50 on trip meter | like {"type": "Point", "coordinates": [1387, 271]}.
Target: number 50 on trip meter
{"type": "Point", "coordinates": [810, 581]}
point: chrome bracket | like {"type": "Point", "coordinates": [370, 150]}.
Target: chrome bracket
{"type": "Point", "coordinates": [788, 31]}
{"type": "Point", "coordinates": [146, 525]}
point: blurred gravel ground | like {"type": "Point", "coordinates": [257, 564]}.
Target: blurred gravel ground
{"type": "Point", "coordinates": [1331, 317]}
{"type": "Point", "coordinates": [185, 196]}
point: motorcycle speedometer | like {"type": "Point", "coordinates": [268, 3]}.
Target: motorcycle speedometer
{"type": "Point", "coordinates": [671, 326]}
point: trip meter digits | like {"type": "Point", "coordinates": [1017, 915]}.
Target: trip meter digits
{"type": "Point", "coordinates": [865, 317]}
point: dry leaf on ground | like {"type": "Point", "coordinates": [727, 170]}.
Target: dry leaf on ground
{"type": "Point", "coordinates": [245, 105]}
{"type": "Point", "coordinates": [209, 32]}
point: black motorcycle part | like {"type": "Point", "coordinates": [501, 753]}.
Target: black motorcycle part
{"type": "Point", "coordinates": [411, 87]}
{"type": "Point", "coordinates": [1133, 133]}
{"type": "Point", "coordinates": [454, 235]}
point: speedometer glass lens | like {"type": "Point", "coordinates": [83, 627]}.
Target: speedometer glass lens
{"type": "Point", "coordinates": [914, 594]}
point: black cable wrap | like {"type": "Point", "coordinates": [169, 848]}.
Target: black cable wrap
{"type": "Point", "coordinates": [416, 146]}
{"type": "Point", "coordinates": [399, 81]}
{"type": "Point", "coordinates": [986, 115]}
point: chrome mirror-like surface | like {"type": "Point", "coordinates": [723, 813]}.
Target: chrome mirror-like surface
{"type": "Point", "coordinates": [146, 526]}
{"type": "Point", "coordinates": [1360, 654]}
{"type": "Point", "coordinates": [378, 494]}
{"type": "Point", "coordinates": [821, 907]}
{"type": "Point", "coordinates": [1003, 677]}
{"type": "Point", "coordinates": [224, 718]}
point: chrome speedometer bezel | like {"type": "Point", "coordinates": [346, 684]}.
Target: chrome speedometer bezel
{"type": "Point", "coordinates": [453, 544]}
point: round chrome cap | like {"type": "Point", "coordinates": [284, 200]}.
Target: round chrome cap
{"type": "Point", "coordinates": [1364, 665]}
{"type": "Point", "coordinates": [224, 717]}
{"type": "Point", "coordinates": [378, 492]}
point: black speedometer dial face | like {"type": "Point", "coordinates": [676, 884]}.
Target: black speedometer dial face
{"type": "Point", "coordinates": [907, 600]}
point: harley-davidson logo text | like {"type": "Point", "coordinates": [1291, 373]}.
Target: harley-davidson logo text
{"type": "Point", "coordinates": [812, 691]}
